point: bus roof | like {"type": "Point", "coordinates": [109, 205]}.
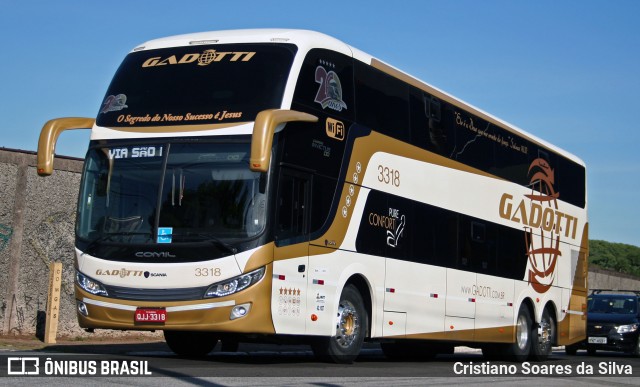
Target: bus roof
{"type": "Point", "coordinates": [301, 38]}
{"type": "Point", "coordinates": [306, 40]}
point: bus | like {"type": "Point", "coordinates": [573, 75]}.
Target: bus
{"type": "Point", "coordinates": [281, 185]}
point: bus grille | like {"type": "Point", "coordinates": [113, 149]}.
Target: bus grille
{"type": "Point", "coordinates": [181, 294]}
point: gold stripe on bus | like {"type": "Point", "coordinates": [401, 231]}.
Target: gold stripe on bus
{"type": "Point", "coordinates": [503, 334]}
{"type": "Point", "coordinates": [175, 128]}
{"type": "Point", "coordinates": [261, 257]}
{"type": "Point", "coordinates": [363, 149]}
{"type": "Point", "coordinates": [297, 250]}
{"type": "Point", "coordinates": [572, 328]}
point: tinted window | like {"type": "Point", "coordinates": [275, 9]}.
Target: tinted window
{"type": "Point", "coordinates": [323, 190]}
{"type": "Point", "coordinates": [382, 102]}
{"type": "Point", "coordinates": [412, 231]}
{"type": "Point", "coordinates": [197, 85]}
{"type": "Point", "coordinates": [443, 128]}
{"type": "Point", "coordinates": [428, 129]}
{"type": "Point", "coordinates": [325, 83]}
{"type": "Point", "coordinates": [292, 206]}
{"type": "Point", "coordinates": [130, 193]}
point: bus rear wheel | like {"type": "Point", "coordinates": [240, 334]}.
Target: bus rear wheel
{"type": "Point", "coordinates": [190, 344]}
{"type": "Point", "coordinates": [351, 327]}
{"type": "Point", "coordinates": [542, 337]}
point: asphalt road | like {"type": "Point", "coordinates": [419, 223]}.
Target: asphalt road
{"type": "Point", "coordinates": [273, 365]}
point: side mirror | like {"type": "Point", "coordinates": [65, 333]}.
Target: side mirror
{"type": "Point", "coordinates": [49, 136]}
{"type": "Point", "coordinates": [263, 130]}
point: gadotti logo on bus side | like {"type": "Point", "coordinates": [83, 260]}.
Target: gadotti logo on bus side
{"type": "Point", "coordinates": [539, 210]}
{"type": "Point", "coordinates": [203, 59]}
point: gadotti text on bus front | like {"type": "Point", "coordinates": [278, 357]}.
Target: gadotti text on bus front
{"type": "Point", "coordinates": [203, 59]}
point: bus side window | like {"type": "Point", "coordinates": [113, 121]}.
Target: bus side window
{"type": "Point", "coordinates": [435, 133]}
{"type": "Point", "coordinates": [382, 102]}
{"type": "Point", "coordinates": [427, 128]}
{"type": "Point", "coordinates": [477, 247]}
{"type": "Point", "coordinates": [292, 206]}
{"type": "Point", "coordinates": [322, 192]}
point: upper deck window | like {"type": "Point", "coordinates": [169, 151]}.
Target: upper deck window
{"type": "Point", "coordinates": [197, 85]}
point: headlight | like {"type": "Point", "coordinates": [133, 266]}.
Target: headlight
{"type": "Point", "coordinates": [90, 285]}
{"type": "Point", "coordinates": [235, 284]}
{"type": "Point", "coordinates": [627, 328]}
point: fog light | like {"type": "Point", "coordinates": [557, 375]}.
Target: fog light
{"type": "Point", "coordinates": [240, 311]}
{"type": "Point", "coordinates": [82, 309]}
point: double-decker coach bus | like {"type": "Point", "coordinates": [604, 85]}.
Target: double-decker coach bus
{"type": "Point", "coordinates": [280, 184]}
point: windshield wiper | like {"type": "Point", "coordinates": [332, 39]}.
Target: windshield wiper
{"type": "Point", "coordinates": [220, 243]}
{"type": "Point", "coordinates": [109, 237]}
{"type": "Point", "coordinates": [211, 239]}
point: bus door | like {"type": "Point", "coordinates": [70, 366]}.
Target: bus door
{"type": "Point", "coordinates": [291, 255]}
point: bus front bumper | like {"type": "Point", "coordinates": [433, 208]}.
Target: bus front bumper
{"type": "Point", "coordinates": [212, 314]}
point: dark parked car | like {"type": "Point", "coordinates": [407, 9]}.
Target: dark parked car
{"type": "Point", "coordinates": [613, 322]}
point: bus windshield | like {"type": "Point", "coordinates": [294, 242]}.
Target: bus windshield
{"type": "Point", "coordinates": [170, 193]}
{"type": "Point", "coordinates": [197, 85]}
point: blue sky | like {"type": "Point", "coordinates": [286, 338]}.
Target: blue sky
{"type": "Point", "coordinates": [566, 71]}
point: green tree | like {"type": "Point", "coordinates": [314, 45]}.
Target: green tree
{"type": "Point", "coordinates": [618, 257]}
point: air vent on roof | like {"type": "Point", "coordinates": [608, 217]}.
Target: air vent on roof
{"type": "Point", "coordinates": [196, 42]}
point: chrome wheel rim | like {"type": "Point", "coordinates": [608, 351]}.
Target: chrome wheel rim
{"type": "Point", "coordinates": [522, 332]}
{"type": "Point", "coordinates": [544, 335]}
{"type": "Point", "coordinates": [348, 324]}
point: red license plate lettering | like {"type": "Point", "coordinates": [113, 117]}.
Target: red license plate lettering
{"type": "Point", "coordinates": [150, 315]}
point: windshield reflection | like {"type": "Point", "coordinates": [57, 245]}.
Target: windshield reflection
{"type": "Point", "coordinates": [170, 193]}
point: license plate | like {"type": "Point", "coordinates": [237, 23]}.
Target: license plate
{"type": "Point", "coordinates": [150, 315]}
{"type": "Point", "coordinates": [597, 340]}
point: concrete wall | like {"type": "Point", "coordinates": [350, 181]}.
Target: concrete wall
{"type": "Point", "coordinates": [37, 217]}
{"type": "Point", "coordinates": [607, 279]}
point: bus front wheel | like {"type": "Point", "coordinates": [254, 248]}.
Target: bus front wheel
{"type": "Point", "coordinates": [520, 349]}
{"type": "Point", "coordinates": [190, 344]}
{"type": "Point", "coordinates": [351, 327]}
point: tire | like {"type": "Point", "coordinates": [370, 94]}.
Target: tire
{"type": "Point", "coordinates": [519, 350]}
{"type": "Point", "coordinates": [351, 327]}
{"type": "Point", "coordinates": [190, 344]}
{"type": "Point", "coordinates": [543, 336]}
